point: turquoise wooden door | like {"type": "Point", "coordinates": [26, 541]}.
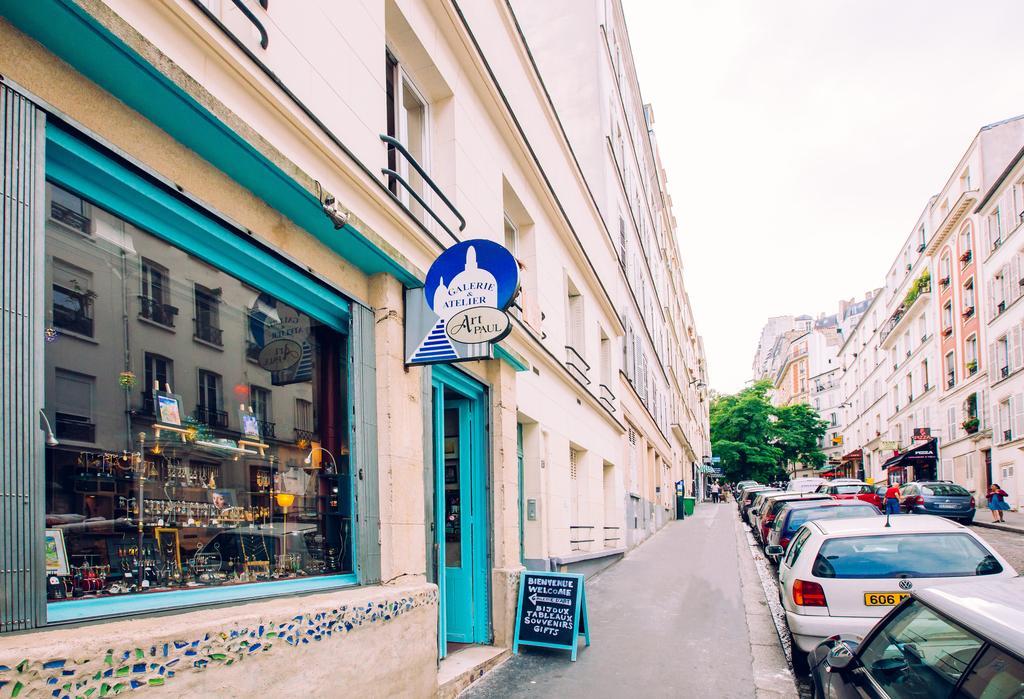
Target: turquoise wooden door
{"type": "Point", "coordinates": [459, 520]}
{"type": "Point", "coordinates": [460, 509]}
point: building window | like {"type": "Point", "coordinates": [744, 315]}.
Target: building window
{"type": "Point", "coordinates": [971, 352]}
{"type": "Point", "coordinates": [950, 370]}
{"type": "Point", "coordinates": [304, 423]}
{"type": "Point", "coordinates": [945, 270]}
{"type": "Point", "coordinates": [68, 209]}
{"type": "Point", "coordinates": [995, 228]}
{"type": "Point", "coordinates": [1003, 356]}
{"type": "Point", "coordinates": [966, 246]}
{"type": "Point", "coordinates": [968, 298]}
{"type": "Point", "coordinates": [924, 375]}
{"type": "Point", "coordinates": [207, 321]}
{"type": "Point", "coordinates": [73, 400]}
{"type": "Point", "coordinates": [406, 122]}
{"type": "Point", "coordinates": [155, 294]}
{"type": "Point", "coordinates": [575, 334]}
{"type": "Point", "coordinates": [947, 318]}
{"type": "Point", "coordinates": [72, 305]}
{"type": "Point", "coordinates": [1005, 432]}
{"type": "Point", "coordinates": [210, 406]}
{"type": "Point", "coordinates": [201, 506]}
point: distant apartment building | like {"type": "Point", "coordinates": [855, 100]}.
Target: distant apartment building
{"type": "Point", "coordinates": [1001, 213]}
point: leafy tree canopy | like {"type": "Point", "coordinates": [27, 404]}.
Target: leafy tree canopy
{"type": "Point", "coordinates": [757, 440]}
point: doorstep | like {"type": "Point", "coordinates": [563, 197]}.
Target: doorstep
{"type": "Point", "coordinates": [462, 668]}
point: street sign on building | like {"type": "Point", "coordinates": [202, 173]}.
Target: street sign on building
{"type": "Point", "coordinates": [922, 434]}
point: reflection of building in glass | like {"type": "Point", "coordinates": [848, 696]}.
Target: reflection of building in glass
{"type": "Point", "coordinates": [152, 413]}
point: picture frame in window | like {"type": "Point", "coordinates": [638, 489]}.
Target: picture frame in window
{"type": "Point", "coordinates": [451, 445]}
{"type": "Point", "coordinates": [250, 425]}
{"type": "Point", "coordinates": [168, 408]}
{"type": "Point", "coordinates": [56, 553]}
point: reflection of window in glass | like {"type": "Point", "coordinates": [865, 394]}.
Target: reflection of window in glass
{"type": "Point", "coordinates": [68, 209]}
{"type": "Point", "coordinates": [920, 649]}
{"type": "Point", "coordinates": [259, 399]}
{"type": "Point", "coordinates": [73, 400]}
{"type": "Point", "coordinates": [159, 374]}
{"type": "Point", "coordinates": [207, 319]}
{"type": "Point", "coordinates": [996, 674]}
{"type": "Point", "coordinates": [72, 298]}
{"type": "Point", "coordinates": [155, 294]}
{"type": "Point", "coordinates": [210, 408]}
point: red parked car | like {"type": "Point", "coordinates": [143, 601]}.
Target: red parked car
{"type": "Point", "coordinates": [850, 491]}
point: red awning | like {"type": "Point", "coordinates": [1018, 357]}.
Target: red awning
{"type": "Point", "coordinates": [855, 455]}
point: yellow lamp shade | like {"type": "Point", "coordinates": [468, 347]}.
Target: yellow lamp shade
{"type": "Point", "coordinates": [284, 499]}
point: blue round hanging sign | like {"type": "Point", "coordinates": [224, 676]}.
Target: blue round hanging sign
{"type": "Point", "coordinates": [470, 274]}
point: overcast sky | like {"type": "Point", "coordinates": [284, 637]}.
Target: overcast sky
{"type": "Point", "coordinates": [802, 139]}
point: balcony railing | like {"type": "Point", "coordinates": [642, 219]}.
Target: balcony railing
{"type": "Point", "coordinates": [607, 397]}
{"type": "Point", "coordinates": [153, 310]}
{"type": "Point", "coordinates": [611, 537]}
{"type": "Point", "coordinates": [576, 364]}
{"type": "Point", "coordinates": [212, 417]}
{"type": "Point", "coordinates": [72, 219]}
{"type": "Point", "coordinates": [950, 381]}
{"type": "Point", "coordinates": [1004, 371]}
{"type": "Point", "coordinates": [395, 146]}
{"type": "Point", "coordinates": [148, 405]}
{"type": "Point", "coordinates": [966, 258]}
{"type": "Point", "coordinates": [208, 333]}
{"type": "Point", "coordinates": [75, 428]}
{"type": "Point", "coordinates": [305, 436]}
{"type": "Point", "coordinates": [968, 312]}
{"type": "Point", "coordinates": [266, 428]}
{"type": "Point", "coordinates": [580, 534]}
{"type": "Point", "coordinates": [69, 317]}
{"type": "Point", "coordinates": [1007, 435]}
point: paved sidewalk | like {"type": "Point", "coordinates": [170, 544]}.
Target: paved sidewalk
{"type": "Point", "coordinates": [1014, 520]}
{"type": "Point", "coordinates": [669, 620]}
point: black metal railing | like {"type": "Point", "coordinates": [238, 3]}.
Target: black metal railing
{"type": "Point", "coordinates": [211, 416]}
{"type": "Point", "coordinates": [148, 405]}
{"type": "Point", "coordinates": [577, 364]}
{"type": "Point", "coordinates": [394, 145]}
{"type": "Point", "coordinates": [209, 333]}
{"type": "Point", "coordinates": [66, 316]}
{"type": "Point", "coordinates": [606, 395]}
{"type": "Point", "coordinates": [609, 538]}
{"type": "Point", "coordinates": [578, 530]}
{"type": "Point", "coordinates": [266, 428]}
{"type": "Point", "coordinates": [74, 428]}
{"type": "Point", "coordinates": [162, 313]}
{"type": "Point", "coordinates": [1004, 371]}
{"type": "Point", "coordinates": [73, 219]}
{"type": "Point", "coordinates": [1007, 435]}
{"type": "Point", "coordinates": [950, 381]}
{"type": "Point", "coordinates": [306, 436]}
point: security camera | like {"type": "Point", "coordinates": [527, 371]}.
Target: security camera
{"type": "Point", "coordinates": [338, 218]}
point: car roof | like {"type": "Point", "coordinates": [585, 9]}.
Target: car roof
{"type": "Point", "coordinates": [827, 501]}
{"type": "Point", "coordinates": [898, 524]}
{"type": "Point", "coordinates": [991, 608]}
{"type": "Point", "coordinates": [789, 495]}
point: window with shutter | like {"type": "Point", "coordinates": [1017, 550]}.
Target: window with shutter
{"type": "Point", "coordinates": [1018, 416]}
{"type": "Point", "coordinates": [951, 423]}
{"type": "Point", "coordinates": [984, 410]}
{"type": "Point", "coordinates": [1016, 350]}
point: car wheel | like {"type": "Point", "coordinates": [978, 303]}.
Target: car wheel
{"type": "Point", "coordinates": [800, 666]}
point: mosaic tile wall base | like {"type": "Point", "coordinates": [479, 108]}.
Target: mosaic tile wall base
{"type": "Point", "coordinates": [123, 670]}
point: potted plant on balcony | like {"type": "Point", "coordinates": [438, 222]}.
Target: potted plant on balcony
{"type": "Point", "coordinates": [972, 366]}
{"type": "Point", "coordinates": [970, 425]}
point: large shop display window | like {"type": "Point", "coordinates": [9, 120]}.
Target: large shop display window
{"type": "Point", "coordinates": [200, 434]}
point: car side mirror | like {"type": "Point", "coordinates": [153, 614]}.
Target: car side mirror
{"type": "Point", "coordinates": [774, 550]}
{"type": "Point", "coordinates": [840, 657]}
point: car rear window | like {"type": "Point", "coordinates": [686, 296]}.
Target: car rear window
{"type": "Point", "coordinates": [938, 555]}
{"type": "Point", "coordinates": [852, 489]}
{"type": "Point", "coordinates": [800, 516]}
{"type": "Point", "coordinates": [944, 489]}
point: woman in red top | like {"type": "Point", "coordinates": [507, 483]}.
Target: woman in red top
{"type": "Point", "coordinates": [892, 500]}
{"type": "Point", "coordinates": [997, 504]}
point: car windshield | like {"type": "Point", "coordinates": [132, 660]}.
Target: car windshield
{"type": "Point", "coordinates": [944, 489]}
{"type": "Point", "coordinates": [931, 555]}
{"type": "Point", "coordinates": [852, 489]}
{"type": "Point", "coordinates": [920, 654]}
{"type": "Point", "coordinates": [800, 516]}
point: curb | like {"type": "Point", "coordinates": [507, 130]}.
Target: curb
{"type": "Point", "coordinates": [998, 527]}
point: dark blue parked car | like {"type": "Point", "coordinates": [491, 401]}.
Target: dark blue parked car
{"type": "Point", "coordinates": [941, 498]}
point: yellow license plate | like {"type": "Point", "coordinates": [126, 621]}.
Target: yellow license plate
{"type": "Point", "coordinates": [884, 599]}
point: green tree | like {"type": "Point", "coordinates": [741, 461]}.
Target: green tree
{"type": "Point", "coordinates": [754, 439]}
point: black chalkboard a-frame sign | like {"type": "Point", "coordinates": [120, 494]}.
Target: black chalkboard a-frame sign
{"type": "Point", "coordinates": [552, 611]}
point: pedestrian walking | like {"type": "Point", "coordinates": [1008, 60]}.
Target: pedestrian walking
{"type": "Point", "coordinates": [892, 499]}
{"type": "Point", "coordinates": [997, 504]}
{"type": "Point", "coordinates": [716, 492]}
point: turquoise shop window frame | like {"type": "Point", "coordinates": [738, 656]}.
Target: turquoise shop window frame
{"type": "Point", "coordinates": [85, 169]}
{"type": "Point", "coordinates": [110, 184]}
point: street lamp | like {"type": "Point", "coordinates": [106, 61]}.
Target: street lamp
{"type": "Point", "coordinates": [309, 458]}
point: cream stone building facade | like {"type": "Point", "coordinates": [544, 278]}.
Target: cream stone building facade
{"type": "Point", "coordinates": [219, 213]}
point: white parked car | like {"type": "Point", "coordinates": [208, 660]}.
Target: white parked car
{"type": "Point", "coordinates": [805, 485]}
{"type": "Point", "coordinates": [839, 576]}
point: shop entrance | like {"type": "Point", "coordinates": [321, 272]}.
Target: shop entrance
{"type": "Point", "coordinates": [461, 541]}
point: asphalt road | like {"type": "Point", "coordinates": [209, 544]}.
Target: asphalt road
{"type": "Point", "coordinates": [667, 621]}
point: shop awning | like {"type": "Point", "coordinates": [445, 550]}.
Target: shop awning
{"type": "Point", "coordinates": [924, 453]}
{"type": "Point", "coordinates": [855, 455]}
